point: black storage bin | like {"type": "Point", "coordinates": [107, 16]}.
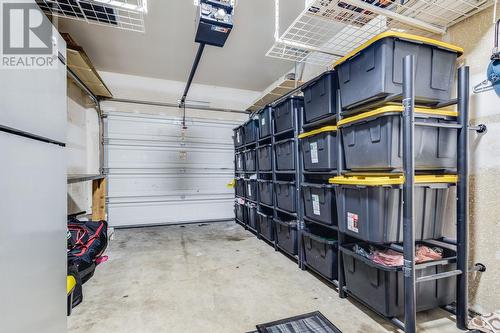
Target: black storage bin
{"type": "Point", "coordinates": [251, 189]}
{"type": "Point", "coordinates": [251, 127]}
{"type": "Point", "coordinates": [239, 211]}
{"type": "Point", "coordinates": [252, 216]}
{"type": "Point", "coordinates": [240, 187]}
{"type": "Point", "coordinates": [321, 252]}
{"type": "Point", "coordinates": [265, 188]}
{"type": "Point", "coordinates": [320, 97]}
{"type": "Point", "coordinates": [239, 136]}
{"type": "Point", "coordinates": [285, 113]}
{"type": "Point", "coordinates": [320, 149]}
{"type": "Point", "coordinates": [382, 287]}
{"type": "Point", "coordinates": [266, 226]}
{"type": "Point", "coordinates": [265, 157]}
{"type": "Point", "coordinates": [319, 203]}
{"type": "Point", "coordinates": [250, 160]}
{"type": "Point", "coordinates": [240, 161]}
{"type": "Point", "coordinates": [286, 236]}
{"type": "Point", "coordinates": [376, 71]}
{"type": "Point", "coordinates": [285, 155]}
{"type": "Point", "coordinates": [285, 193]}
{"type": "Point", "coordinates": [265, 122]}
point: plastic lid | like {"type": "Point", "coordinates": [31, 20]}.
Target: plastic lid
{"type": "Point", "coordinates": [401, 35]}
{"type": "Point", "coordinates": [391, 179]}
{"type": "Point", "coordinates": [395, 108]}
{"type": "Point", "coordinates": [318, 131]}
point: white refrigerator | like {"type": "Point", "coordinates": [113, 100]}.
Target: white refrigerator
{"type": "Point", "coordinates": [33, 198]}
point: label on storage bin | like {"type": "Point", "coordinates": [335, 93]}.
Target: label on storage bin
{"type": "Point", "coordinates": [263, 121]}
{"type": "Point", "coordinates": [315, 202]}
{"type": "Point", "coordinates": [238, 137]}
{"type": "Point", "coordinates": [314, 152]}
{"type": "Point", "coordinates": [249, 190]}
{"type": "Point", "coordinates": [239, 162]}
{"type": "Point", "coordinates": [352, 222]}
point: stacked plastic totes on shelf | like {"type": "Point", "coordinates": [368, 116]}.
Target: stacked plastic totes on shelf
{"type": "Point", "coordinates": [368, 190]}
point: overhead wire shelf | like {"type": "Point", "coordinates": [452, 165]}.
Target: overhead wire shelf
{"type": "Point", "coordinates": [329, 29]}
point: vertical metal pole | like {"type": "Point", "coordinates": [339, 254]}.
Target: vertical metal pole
{"type": "Point", "coordinates": [340, 167]}
{"type": "Point", "coordinates": [463, 197]}
{"type": "Point", "coordinates": [408, 193]}
{"type": "Point", "coordinates": [298, 176]}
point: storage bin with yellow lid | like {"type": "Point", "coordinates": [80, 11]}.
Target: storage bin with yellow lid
{"type": "Point", "coordinates": [320, 149]}
{"type": "Point", "coordinates": [374, 71]}
{"type": "Point", "coordinates": [370, 206]}
{"type": "Point", "coordinates": [373, 140]}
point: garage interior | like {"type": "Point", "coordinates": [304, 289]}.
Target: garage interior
{"type": "Point", "coordinates": [250, 166]}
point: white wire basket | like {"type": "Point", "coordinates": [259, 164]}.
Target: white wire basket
{"type": "Point", "coordinates": [121, 14]}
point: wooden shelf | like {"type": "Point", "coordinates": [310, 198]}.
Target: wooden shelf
{"type": "Point", "coordinates": [72, 179]}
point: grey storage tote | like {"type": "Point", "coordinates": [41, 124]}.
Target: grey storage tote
{"type": "Point", "coordinates": [239, 211]}
{"type": "Point", "coordinates": [285, 193]}
{"type": "Point", "coordinates": [285, 155]}
{"type": "Point", "coordinates": [251, 189]}
{"type": "Point", "coordinates": [266, 191]}
{"type": "Point", "coordinates": [373, 140]}
{"type": "Point", "coordinates": [265, 157]}
{"type": "Point", "coordinates": [321, 252]}
{"type": "Point", "coordinates": [240, 161]}
{"type": "Point", "coordinates": [240, 187]}
{"type": "Point", "coordinates": [370, 207]}
{"type": "Point", "coordinates": [374, 71]}
{"type": "Point", "coordinates": [382, 287]}
{"type": "Point", "coordinates": [319, 203]}
{"type": "Point", "coordinates": [239, 136]}
{"type": "Point", "coordinates": [265, 119]}
{"type": "Point", "coordinates": [320, 149]}
{"type": "Point", "coordinates": [250, 160]}
{"type": "Point", "coordinates": [286, 236]}
{"type": "Point", "coordinates": [320, 97]}
{"type": "Point", "coordinates": [252, 216]}
{"type": "Point", "coordinates": [251, 128]}
{"type": "Point", "coordinates": [266, 226]}
{"type": "Point", "coordinates": [285, 114]}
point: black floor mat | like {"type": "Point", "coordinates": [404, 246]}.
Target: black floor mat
{"type": "Point", "coordinates": [313, 322]}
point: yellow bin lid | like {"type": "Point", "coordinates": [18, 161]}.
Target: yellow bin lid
{"type": "Point", "coordinates": [390, 179]}
{"type": "Point", "coordinates": [395, 108]}
{"type": "Point", "coordinates": [400, 35]}
{"type": "Point", "coordinates": [318, 131]}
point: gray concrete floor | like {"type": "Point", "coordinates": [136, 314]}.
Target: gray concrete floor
{"type": "Point", "coordinates": [213, 278]}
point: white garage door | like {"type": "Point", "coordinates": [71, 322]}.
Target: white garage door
{"type": "Point", "coordinates": [160, 174]}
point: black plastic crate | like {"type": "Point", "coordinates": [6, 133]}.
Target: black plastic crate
{"type": "Point", "coordinates": [382, 287]}
{"type": "Point", "coordinates": [285, 155]}
{"type": "Point", "coordinates": [239, 136]}
{"type": "Point", "coordinates": [251, 128]}
{"type": "Point", "coordinates": [251, 189]}
{"type": "Point", "coordinates": [286, 236]}
{"type": "Point", "coordinates": [321, 251]}
{"type": "Point", "coordinates": [319, 203]}
{"type": "Point", "coordinates": [266, 191]}
{"type": "Point", "coordinates": [239, 211]}
{"type": "Point", "coordinates": [266, 226]}
{"type": "Point", "coordinates": [320, 97]}
{"type": "Point", "coordinates": [250, 160]}
{"type": "Point", "coordinates": [320, 149]}
{"type": "Point", "coordinates": [285, 193]}
{"type": "Point", "coordinates": [265, 157]}
{"type": "Point", "coordinates": [240, 187]}
{"type": "Point", "coordinates": [251, 215]}
{"type": "Point", "coordinates": [285, 113]}
{"type": "Point", "coordinates": [240, 161]}
{"type": "Point", "coordinates": [265, 119]}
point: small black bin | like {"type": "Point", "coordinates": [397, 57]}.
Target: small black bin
{"type": "Point", "coordinates": [319, 203]}
{"type": "Point", "coordinates": [320, 149]}
{"type": "Point", "coordinates": [321, 251]}
{"type": "Point", "coordinates": [285, 196]}
{"type": "Point", "coordinates": [265, 188]}
{"type": "Point", "coordinates": [266, 226]}
{"type": "Point", "coordinates": [252, 215]}
{"type": "Point", "coordinates": [240, 187]}
{"type": "Point", "coordinates": [239, 211]}
{"type": "Point", "coordinates": [251, 189]}
{"type": "Point", "coordinates": [250, 160]}
{"type": "Point", "coordinates": [251, 127]}
{"type": "Point", "coordinates": [285, 113]}
{"type": "Point", "coordinates": [240, 161]}
{"type": "Point", "coordinates": [265, 156]}
{"type": "Point", "coordinates": [265, 122]}
{"type": "Point", "coordinates": [286, 235]}
{"type": "Point", "coordinates": [285, 155]}
{"type": "Point", "coordinates": [382, 287]}
{"type": "Point", "coordinates": [239, 136]}
{"type": "Point", "coordinates": [320, 97]}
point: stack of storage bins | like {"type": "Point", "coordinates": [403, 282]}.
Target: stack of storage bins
{"type": "Point", "coordinates": [285, 127]}
{"type": "Point", "coordinates": [240, 209]}
{"type": "Point", "coordinates": [369, 194]}
{"type": "Point", "coordinates": [319, 159]}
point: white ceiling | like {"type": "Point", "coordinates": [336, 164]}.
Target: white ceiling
{"type": "Point", "coordinates": [167, 49]}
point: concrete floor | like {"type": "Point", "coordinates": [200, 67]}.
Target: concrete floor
{"type": "Point", "coordinates": [213, 278]}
